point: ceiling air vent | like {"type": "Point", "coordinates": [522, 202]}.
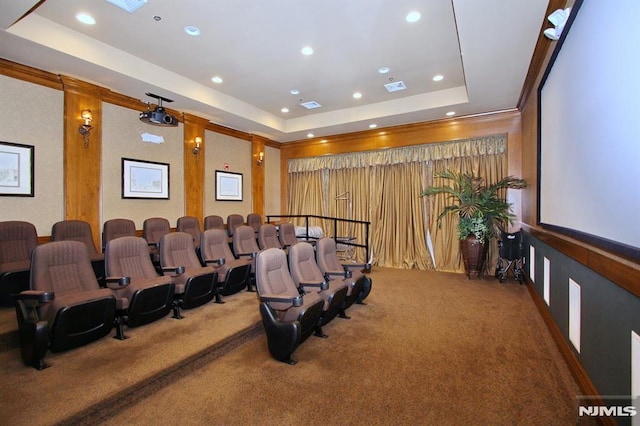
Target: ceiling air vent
{"type": "Point", "coordinates": [128, 5]}
{"type": "Point", "coordinates": [395, 86]}
{"type": "Point", "coordinates": [311, 105]}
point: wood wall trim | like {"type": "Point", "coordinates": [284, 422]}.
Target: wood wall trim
{"type": "Point", "coordinates": [257, 174]}
{"type": "Point", "coordinates": [624, 272]}
{"type": "Point", "coordinates": [194, 166]}
{"type": "Point", "coordinates": [31, 75]}
{"type": "Point", "coordinates": [228, 131]}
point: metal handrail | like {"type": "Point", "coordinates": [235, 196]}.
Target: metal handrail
{"type": "Point", "coordinates": [335, 228]}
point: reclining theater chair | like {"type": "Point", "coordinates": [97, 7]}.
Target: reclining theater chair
{"type": "Point", "coordinates": [79, 230]}
{"type": "Point", "coordinates": [288, 316]}
{"type": "Point", "coordinates": [153, 229]}
{"type": "Point", "coordinates": [359, 285]}
{"type": "Point", "coordinates": [213, 222]}
{"type": "Point", "coordinates": [245, 246]}
{"type": "Point", "coordinates": [195, 284]}
{"type": "Point", "coordinates": [116, 228]}
{"type": "Point", "coordinates": [65, 307]}
{"type": "Point", "coordinates": [268, 237]}
{"type": "Point", "coordinates": [233, 274]}
{"type": "Point", "coordinates": [287, 235]}
{"type": "Point", "coordinates": [191, 226]}
{"type": "Point", "coordinates": [233, 221]}
{"type": "Point", "coordinates": [17, 240]}
{"type": "Point", "coordinates": [307, 275]}
{"type": "Point", "coordinates": [149, 296]}
{"type": "Point", "coordinates": [254, 220]}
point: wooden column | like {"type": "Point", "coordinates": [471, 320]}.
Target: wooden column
{"type": "Point", "coordinates": [257, 174]}
{"type": "Point", "coordinates": [83, 157]}
{"type": "Point", "coordinates": [194, 167]}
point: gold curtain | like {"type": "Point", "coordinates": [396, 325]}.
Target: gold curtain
{"type": "Point", "coordinates": [383, 187]}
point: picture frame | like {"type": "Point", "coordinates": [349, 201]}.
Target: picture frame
{"type": "Point", "coordinates": [16, 170]}
{"type": "Point", "coordinates": [228, 186]}
{"type": "Point", "coordinates": [145, 179]}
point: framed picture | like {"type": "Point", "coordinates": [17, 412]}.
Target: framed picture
{"type": "Point", "coordinates": [145, 179]}
{"type": "Point", "coordinates": [228, 186]}
{"type": "Point", "coordinates": [16, 169]}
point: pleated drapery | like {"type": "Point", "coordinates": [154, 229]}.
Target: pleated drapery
{"type": "Point", "coordinates": [383, 187]}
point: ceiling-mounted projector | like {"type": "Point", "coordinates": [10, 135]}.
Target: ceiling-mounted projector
{"type": "Point", "coordinates": [158, 116]}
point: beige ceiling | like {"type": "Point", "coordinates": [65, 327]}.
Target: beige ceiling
{"type": "Point", "coordinates": [481, 47]}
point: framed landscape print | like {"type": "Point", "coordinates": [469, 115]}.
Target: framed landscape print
{"type": "Point", "coordinates": [145, 179]}
{"type": "Point", "coordinates": [16, 170]}
{"type": "Point", "coordinates": [228, 186]}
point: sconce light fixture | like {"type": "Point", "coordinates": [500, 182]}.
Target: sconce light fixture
{"type": "Point", "coordinates": [260, 158]}
{"type": "Point", "coordinates": [197, 141]}
{"type": "Point", "coordinates": [85, 129]}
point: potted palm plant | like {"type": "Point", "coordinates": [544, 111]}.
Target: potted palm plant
{"type": "Point", "coordinates": [482, 211]}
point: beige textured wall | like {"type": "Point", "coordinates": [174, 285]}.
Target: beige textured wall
{"type": "Point", "coordinates": [33, 115]}
{"type": "Point", "coordinates": [272, 181]}
{"type": "Point", "coordinates": [236, 152]}
{"type": "Point", "coordinates": [121, 137]}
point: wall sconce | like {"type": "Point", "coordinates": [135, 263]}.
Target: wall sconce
{"type": "Point", "coordinates": [196, 149]}
{"type": "Point", "coordinates": [260, 158]}
{"type": "Point", "coordinates": [85, 129]}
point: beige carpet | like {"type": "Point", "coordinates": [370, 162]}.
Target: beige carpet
{"type": "Point", "coordinates": [429, 348]}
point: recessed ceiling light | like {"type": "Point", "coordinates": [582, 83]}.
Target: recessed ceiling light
{"type": "Point", "coordinates": [357, 95]}
{"type": "Point", "coordinates": [413, 16]}
{"type": "Point", "coordinates": [85, 18]}
{"type": "Point", "coordinates": [373, 125]}
{"type": "Point", "coordinates": [294, 91]}
{"type": "Point", "coordinates": [310, 135]}
{"type": "Point", "coordinates": [191, 30]}
{"type": "Point", "coordinates": [384, 70]}
{"type": "Point", "coordinates": [307, 50]}
{"type": "Point", "coordinates": [285, 110]}
{"type": "Point", "coordinates": [438, 77]}
{"type": "Point", "coordinates": [216, 79]}
{"type": "Point", "coordinates": [451, 113]}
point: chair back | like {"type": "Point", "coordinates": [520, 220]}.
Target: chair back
{"type": "Point", "coordinates": [154, 228]}
{"type": "Point", "coordinates": [326, 255]}
{"type": "Point", "coordinates": [176, 249]}
{"type": "Point", "coordinates": [287, 234]}
{"type": "Point", "coordinates": [75, 230]}
{"type": "Point", "coordinates": [213, 222]}
{"type": "Point", "coordinates": [272, 276]}
{"type": "Point", "coordinates": [268, 236]}
{"type": "Point", "coordinates": [128, 256]}
{"type": "Point", "coordinates": [191, 226]}
{"type": "Point", "coordinates": [116, 228]}
{"type": "Point", "coordinates": [244, 241]}
{"type": "Point", "coordinates": [62, 267]}
{"type": "Point", "coordinates": [213, 245]}
{"type": "Point", "coordinates": [233, 221]}
{"type": "Point", "coordinates": [17, 241]}
{"type": "Point", "coordinates": [254, 220]}
{"type": "Point", "coordinates": [302, 264]}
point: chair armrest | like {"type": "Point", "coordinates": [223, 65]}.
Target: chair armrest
{"type": "Point", "coordinates": [34, 298]}
{"type": "Point", "coordinates": [323, 285]}
{"type": "Point", "coordinates": [340, 274]}
{"type": "Point", "coordinates": [251, 255]}
{"type": "Point", "coordinates": [295, 301]}
{"type": "Point", "coordinates": [216, 262]}
{"type": "Point", "coordinates": [174, 271]}
{"type": "Point", "coordinates": [115, 283]}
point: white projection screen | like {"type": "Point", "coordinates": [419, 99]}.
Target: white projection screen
{"type": "Point", "coordinates": [589, 128]}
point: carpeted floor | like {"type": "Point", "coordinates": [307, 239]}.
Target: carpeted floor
{"type": "Point", "coordinates": [428, 348]}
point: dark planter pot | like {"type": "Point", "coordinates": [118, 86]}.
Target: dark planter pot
{"type": "Point", "coordinates": [474, 253]}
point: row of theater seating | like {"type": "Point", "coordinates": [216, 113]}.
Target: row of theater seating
{"type": "Point", "coordinates": [52, 313]}
{"type": "Point", "coordinates": [302, 289]}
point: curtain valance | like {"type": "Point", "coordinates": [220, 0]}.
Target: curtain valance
{"type": "Point", "coordinates": [487, 145]}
